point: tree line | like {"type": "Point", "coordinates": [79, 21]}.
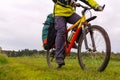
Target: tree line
{"type": "Point", "coordinates": [25, 52]}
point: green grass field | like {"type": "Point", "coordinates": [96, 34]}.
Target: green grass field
{"type": "Point", "coordinates": [35, 68]}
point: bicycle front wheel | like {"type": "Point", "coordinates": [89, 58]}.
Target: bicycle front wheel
{"type": "Point", "coordinates": [94, 49]}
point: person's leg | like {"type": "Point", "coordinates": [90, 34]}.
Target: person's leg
{"type": "Point", "coordinates": [60, 26]}
{"type": "Point", "coordinates": [73, 18]}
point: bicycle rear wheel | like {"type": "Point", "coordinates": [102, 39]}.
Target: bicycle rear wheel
{"type": "Point", "coordinates": [51, 59]}
{"type": "Point", "coordinates": [97, 54]}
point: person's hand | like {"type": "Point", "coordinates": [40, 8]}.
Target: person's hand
{"type": "Point", "coordinates": [99, 8]}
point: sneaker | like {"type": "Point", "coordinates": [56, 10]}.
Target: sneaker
{"type": "Point", "coordinates": [60, 65]}
{"type": "Point", "coordinates": [60, 62]}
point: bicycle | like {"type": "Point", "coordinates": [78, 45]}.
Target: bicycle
{"type": "Point", "coordinates": [94, 46]}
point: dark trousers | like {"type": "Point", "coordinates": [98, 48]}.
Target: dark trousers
{"type": "Point", "coordinates": [60, 26]}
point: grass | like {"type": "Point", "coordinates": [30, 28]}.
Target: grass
{"type": "Point", "coordinates": [35, 68]}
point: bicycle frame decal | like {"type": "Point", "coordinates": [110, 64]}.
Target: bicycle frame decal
{"type": "Point", "coordinates": [79, 23]}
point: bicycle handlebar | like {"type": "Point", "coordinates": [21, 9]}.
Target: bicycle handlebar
{"type": "Point", "coordinates": [85, 7]}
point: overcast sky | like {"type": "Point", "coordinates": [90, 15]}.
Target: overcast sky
{"type": "Point", "coordinates": [21, 22]}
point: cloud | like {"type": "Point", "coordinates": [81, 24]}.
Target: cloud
{"type": "Point", "coordinates": [20, 24]}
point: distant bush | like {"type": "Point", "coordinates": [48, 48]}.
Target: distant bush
{"type": "Point", "coordinates": [115, 57]}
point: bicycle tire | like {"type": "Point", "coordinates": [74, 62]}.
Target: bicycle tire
{"type": "Point", "coordinates": [102, 57]}
{"type": "Point", "coordinates": [50, 57]}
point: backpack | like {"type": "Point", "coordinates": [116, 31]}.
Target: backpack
{"type": "Point", "coordinates": [48, 33]}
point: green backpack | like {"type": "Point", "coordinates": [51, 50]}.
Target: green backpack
{"type": "Point", "coordinates": [48, 33]}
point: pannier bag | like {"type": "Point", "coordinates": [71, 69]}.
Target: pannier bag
{"type": "Point", "coordinates": [48, 33]}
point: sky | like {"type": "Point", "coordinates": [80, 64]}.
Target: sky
{"type": "Point", "coordinates": [21, 22]}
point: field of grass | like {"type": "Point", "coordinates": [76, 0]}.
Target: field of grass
{"type": "Point", "coordinates": [35, 68]}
